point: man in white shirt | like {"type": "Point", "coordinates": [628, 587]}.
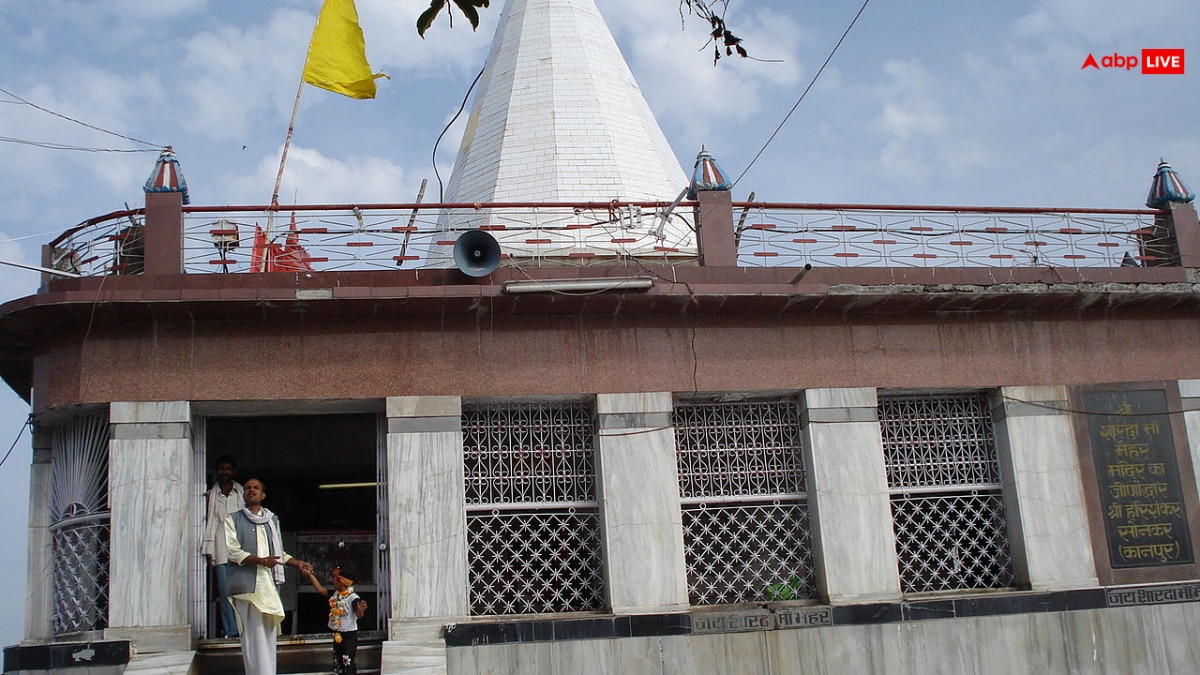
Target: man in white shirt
{"type": "Point", "coordinates": [255, 544]}
{"type": "Point", "coordinates": [224, 498]}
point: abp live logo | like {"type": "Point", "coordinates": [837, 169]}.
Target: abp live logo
{"type": "Point", "coordinates": [1154, 62]}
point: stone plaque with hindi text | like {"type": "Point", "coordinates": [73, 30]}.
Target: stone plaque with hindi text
{"type": "Point", "coordinates": [1145, 521]}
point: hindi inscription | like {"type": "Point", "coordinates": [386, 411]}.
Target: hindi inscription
{"type": "Point", "coordinates": [1145, 521]}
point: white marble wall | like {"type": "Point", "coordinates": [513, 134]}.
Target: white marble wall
{"type": "Point", "coordinates": [1156, 639]}
{"type": "Point", "coordinates": [848, 496]}
{"type": "Point", "coordinates": [427, 530]}
{"type": "Point", "coordinates": [426, 518]}
{"type": "Point", "coordinates": [39, 596]}
{"type": "Point", "coordinates": [415, 647]}
{"type": "Point", "coordinates": [150, 485]}
{"type": "Point", "coordinates": [1189, 391]}
{"type": "Point", "coordinates": [1043, 492]}
{"type": "Point", "coordinates": [639, 503]}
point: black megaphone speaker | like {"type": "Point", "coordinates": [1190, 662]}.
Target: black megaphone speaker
{"type": "Point", "coordinates": [476, 253]}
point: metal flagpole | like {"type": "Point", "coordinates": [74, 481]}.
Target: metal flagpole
{"type": "Point", "coordinates": [287, 143]}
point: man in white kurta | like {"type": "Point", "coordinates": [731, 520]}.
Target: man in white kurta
{"type": "Point", "coordinates": [255, 546]}
{"type": "Point", "coordinates": [224, 498]}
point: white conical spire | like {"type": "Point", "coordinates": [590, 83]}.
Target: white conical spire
{"type": "Point", "coordinates": [557, 116]}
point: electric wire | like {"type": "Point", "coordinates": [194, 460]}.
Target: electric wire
{"type": "Point", "coordinates": [1042, 404]}
{"type": "Point", "coordinates": [461, 108]}
{"type": "Point", "coordinates": [1064, 407]}
{"type": "Point", "coordinates": [804, 93]}
{"type": "Point", "coordinates": [155, 146]}
{"type": "Point", "coordinates": [61, 146]}
{"type": "Point", "coordinates": [35, 235]}
{"type": "Point", "coordinates": [20, 432]}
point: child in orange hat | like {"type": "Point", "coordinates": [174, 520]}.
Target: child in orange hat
{"type": "Point", "coordinates": [345, 609]}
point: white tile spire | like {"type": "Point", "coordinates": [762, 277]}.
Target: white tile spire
{"type": "Point", "coordinates": [557, 116]}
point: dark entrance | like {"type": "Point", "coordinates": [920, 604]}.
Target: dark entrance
{"type": "Point", "coordinates": [319, 472]}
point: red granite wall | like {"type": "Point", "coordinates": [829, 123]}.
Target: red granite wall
{"type": "Point", "coordinates": [507, 356]}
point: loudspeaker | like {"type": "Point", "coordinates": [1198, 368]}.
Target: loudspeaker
{"type": "Point", "coordinates": [476, 253]}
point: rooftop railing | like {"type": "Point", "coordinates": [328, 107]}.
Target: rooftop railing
{"type": "Point", "coordinates": [421, 236]}
{"type": "Point", "coordinates": [898, 236]}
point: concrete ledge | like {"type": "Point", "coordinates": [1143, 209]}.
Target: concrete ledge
{"type": "Point", "coordinates": [163, 639]}
{"type": "Point", "coordinates": [780, 616]}
{"type": "Point", "coordinates": [68, 656]}
{"type": "Point", "coordinates": [176, 663]}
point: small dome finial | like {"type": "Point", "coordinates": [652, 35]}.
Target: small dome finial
{"type": "Point", "coordinates": [166, 176]}
{"type": "Point", "coordinates": [1167, 187]}
{"type": "Point", "coordinates": [707, 175]}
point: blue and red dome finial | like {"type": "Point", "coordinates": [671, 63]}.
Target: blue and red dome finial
{"type": "Point", "coordinates": [1166, 187]}
{"type": "Point", "coordinates": [707, 175]}
{"type": "Point", "coordinates": [166, 176]}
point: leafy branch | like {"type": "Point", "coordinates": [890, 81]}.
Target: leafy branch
{"type": "Point", "coordinates": [467, 7]}
{"type": "Point", "coordinates": [719, 34]}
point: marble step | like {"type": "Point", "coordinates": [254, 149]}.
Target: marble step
{"type": "Point", "coordinates": [302, 655]}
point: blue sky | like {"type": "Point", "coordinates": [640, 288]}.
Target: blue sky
{"type": "Point", "coordinates": [927, 102]}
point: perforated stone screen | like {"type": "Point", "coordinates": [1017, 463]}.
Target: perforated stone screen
{"type": "Point", "coordinates": [80, 523]}
{"type": "Point", "coordinates": [947, 503]}
{"type": "Point", "coordinates": [745, 505]}
{"type": "Point", "coordinates": [533, 522]}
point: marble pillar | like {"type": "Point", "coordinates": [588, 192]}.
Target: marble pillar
{"type": "Point", "coordinates": [153, 540]}
{"type": "Point", "coordinates": [1189, 393]}
{"type": "Point", "coordinates": [853, 538]}
{"type": "Point", "coordinates": [1043, 490]}
{"type": "Point", "coordinates": [639, 502]}
{"type": "Point", "coordinates": [39, 592]}
{"type": "Point", "coordinates": [427, 530]}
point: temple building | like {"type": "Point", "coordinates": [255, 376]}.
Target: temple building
{"type": "Point", "coordinates": [587, 414]}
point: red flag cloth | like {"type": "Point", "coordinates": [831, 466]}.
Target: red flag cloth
{"type": "Point", "coordinates": [291, 256]}
{"type": "Point", "coordinates": [268, 256]}
{"type": "Point", "coordinates": [258, 250]}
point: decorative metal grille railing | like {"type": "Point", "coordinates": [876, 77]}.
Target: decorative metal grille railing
{"type": "Point", "coordinates": [950, 542]}
{"type": "Point", "coordinates": [112, 244]}
{"type": "Point", "coordinates": [533, 522]}
{"type": "Point", "coordinates": [947, 503]}
{"type": "Point", "coordinates": [81, 576]}
{"type": "Point", "coordinates": [950, 237]}
{"type": "Point", "coordinates": [535, 561]}
{"type": "Point", "coordinates": [939, 440]}
{"type": "Point", "coordinates": [413, 238]}
{"type": "Point", "coordinates": [745, 504]}
{"type": "Point", "coordinates": [327, 238]}
{"type": "Point", "coordinates": [79, 523]}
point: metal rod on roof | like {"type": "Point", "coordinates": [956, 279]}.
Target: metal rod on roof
{"type": "Point", "coordinates": [37, 268]}
{"type": "Point", "coordinates": [741, 226]}
{"type": "Point", "coordinates": [801, 274]}
{"type": "Point", "coordinates": [412, 219]}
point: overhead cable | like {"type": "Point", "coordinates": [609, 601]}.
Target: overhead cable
{"type": "Point", "coordinates": [806, 90]}
{"type": "Point", "coordinates": [156, 146]}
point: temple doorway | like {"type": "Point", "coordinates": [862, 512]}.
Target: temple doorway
{"type": "Point", "coordinates": [320, 474]}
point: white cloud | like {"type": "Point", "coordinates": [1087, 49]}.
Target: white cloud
{"type": "Point", "coordinates": [38, 177]}
{"type": "Point", "coordinates": [141, 9]}
{"type": "Point", "coordinates": [1102, 21]}
{"type": "Point", "coordinates": [313, 178]}
{"type": "Point", "coordinates": [238, 73]}
{"type": "Point", "coordinates": [912, 122]}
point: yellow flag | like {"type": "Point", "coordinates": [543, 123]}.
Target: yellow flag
{"type": "Point", "coordinates": [337, 55]}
